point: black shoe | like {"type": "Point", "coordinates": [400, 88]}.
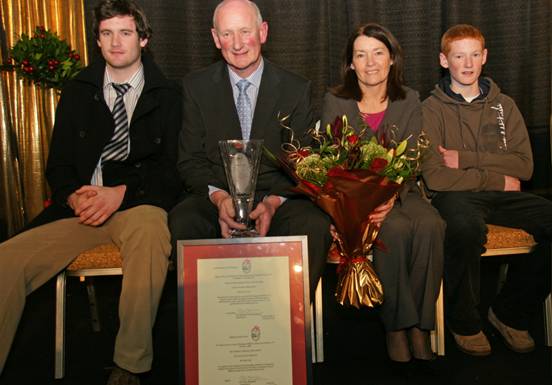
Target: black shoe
{"type": "Point", "coordinates": [425, 368]}
{"type": "Point", "coordinates": [402, 369]}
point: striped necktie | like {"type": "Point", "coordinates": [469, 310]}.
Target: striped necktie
{"type": "Point", "coordinates": [243, 105]}
{"type": "Point", "coordinates": [117, 148]}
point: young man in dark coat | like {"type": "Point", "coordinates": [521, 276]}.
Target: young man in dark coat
{"type": "Point", "coordinates": [112, 171]}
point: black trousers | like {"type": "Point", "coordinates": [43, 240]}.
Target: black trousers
{"type": "Point", "coordinates": [197, 218]}
{"type": "Point", "coordinates": [528, 280]}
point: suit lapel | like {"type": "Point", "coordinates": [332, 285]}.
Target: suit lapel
{"type": "Point", "coordinates": [224, 106]}
{"type": "Point", "coordinates": [269, 92]}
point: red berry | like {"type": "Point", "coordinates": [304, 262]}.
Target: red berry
{"type": "Point", "coordinates": [76, 56]}
{"type": "Point", "coordinates": [25, 62]}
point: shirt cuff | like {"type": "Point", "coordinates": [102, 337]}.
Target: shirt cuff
{"type": "Point", "coordinates": [213, 189]}
{"type": "Point", "coordinates": [282, 199]}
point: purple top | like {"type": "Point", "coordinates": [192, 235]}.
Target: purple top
{"type": "Point", "coordinates": [373, 120]}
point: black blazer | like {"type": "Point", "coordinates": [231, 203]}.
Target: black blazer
{"type": "Point", "coordinates": [83, 126]}
{"type": "Point", "coordinates": [210, 115]}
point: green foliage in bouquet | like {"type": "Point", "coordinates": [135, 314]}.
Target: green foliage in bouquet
{"type": "Point", "coordinates": [340, 146]}
{"type": "Point", "coordinates": [43, 59]}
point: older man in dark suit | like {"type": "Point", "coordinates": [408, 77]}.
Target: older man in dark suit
{"type": "Point", "coordinates": [242, 97]}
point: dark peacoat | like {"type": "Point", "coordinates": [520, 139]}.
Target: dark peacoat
{"type": "Point", "coordinates": [84, 125]}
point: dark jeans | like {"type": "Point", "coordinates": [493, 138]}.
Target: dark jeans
{"type": "Point", "coordinates": [197, 218]}
{"type": "Point", "coordinates": [528, 280]}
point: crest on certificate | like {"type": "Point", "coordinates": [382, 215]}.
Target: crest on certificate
{"type": "Point", "coordinates": [256, 333]}
{"type": "Point", "coordinates": [246, 266]}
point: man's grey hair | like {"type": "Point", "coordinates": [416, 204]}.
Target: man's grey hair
{"type": "Point", "coordinates": [251, 4]}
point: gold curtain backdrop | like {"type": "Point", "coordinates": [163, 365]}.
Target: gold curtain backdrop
{"type": "Point", "coordinates": [26, 111]}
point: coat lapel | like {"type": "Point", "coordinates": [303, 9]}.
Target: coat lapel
{"type": "Point", "coordinates": [269, 92]}
{"type": "Point", "coordinates": [145, 104]}
{"type": "Point", "coordinates": [224, 106]}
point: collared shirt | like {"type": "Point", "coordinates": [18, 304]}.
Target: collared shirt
{"type": "Point", "coordinates": [136, 82]}
{"type": "Point", "coordinates": [131, 97]}
{"type": "Point", "coordinates": [252, 90]}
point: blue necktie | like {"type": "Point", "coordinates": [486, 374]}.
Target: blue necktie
{"type": "Point", "coordinates": [117, 148]}
{"type": "Point", "coordinates": [243, 105]}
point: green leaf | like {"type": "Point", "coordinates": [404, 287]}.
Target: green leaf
{"type": "Point", "coordinates": [401, 148]}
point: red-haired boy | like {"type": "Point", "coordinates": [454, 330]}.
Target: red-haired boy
{"type": "Point", "coordinates": [480, 151]}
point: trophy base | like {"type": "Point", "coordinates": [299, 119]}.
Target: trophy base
{"type": "Point", "coordinates": [247, 233]}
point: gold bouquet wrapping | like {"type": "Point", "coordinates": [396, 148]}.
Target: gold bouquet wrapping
{"type": "Point", "coordinates": [348, 197]}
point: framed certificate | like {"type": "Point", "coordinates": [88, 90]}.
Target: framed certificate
{"type": "Point", "coordinates": [243, 309]}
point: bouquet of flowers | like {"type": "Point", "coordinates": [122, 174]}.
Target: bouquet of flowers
{"type": "Point", "coordinates": [44, 59]}
{"type": "Point", "coordinates": [348, 175]}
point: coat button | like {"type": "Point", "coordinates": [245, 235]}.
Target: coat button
{"type": "Point", "coordinates": [82, 133]}
{"type": "Point", "coordinates": [140, 192]}
{"type": "Point", "coordinates": [157, 140]}
{"type": "Point", "coordinates": [138, 164]}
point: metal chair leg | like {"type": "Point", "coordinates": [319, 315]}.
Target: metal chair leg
{"type": "Point", "coordinates": [438, 335]}
{"type": "Point", "coordinates": [93, 305]}
{"type": "Point", "coordinates": [548, 320]}
{"type": "Point", "coordinates": [60, 326]}
{"type": "Point", "coordinates": [312, 338]}
{"type": "Point", "coordinates": [318, 322]}
{"type": "Point", "coordinates": [502, 274]}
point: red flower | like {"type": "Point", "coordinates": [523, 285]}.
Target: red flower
{"type": "Point", "coordinates": [337, 127]}
{"type": "Point", "coordinates": [377, 165]}
{"type": "Point", "coordinates": [303, 152]}
{"type": "Point", "coordinates": [353, 139]}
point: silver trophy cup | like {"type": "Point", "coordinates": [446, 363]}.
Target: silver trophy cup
{"type": "Point", "coordinates": [241, 160]}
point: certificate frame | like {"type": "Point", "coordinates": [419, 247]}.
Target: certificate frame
{"type": "Point", "coordinates": [192, 252]}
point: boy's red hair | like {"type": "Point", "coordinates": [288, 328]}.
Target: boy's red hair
{"type": "Point", "coordinates": [459, 32]}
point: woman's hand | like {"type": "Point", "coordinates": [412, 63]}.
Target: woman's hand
{"type": "Point", "coordinates": [380, 213]}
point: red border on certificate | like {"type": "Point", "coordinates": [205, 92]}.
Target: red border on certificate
{"type": "Point", "coordinates": [191, 253]}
